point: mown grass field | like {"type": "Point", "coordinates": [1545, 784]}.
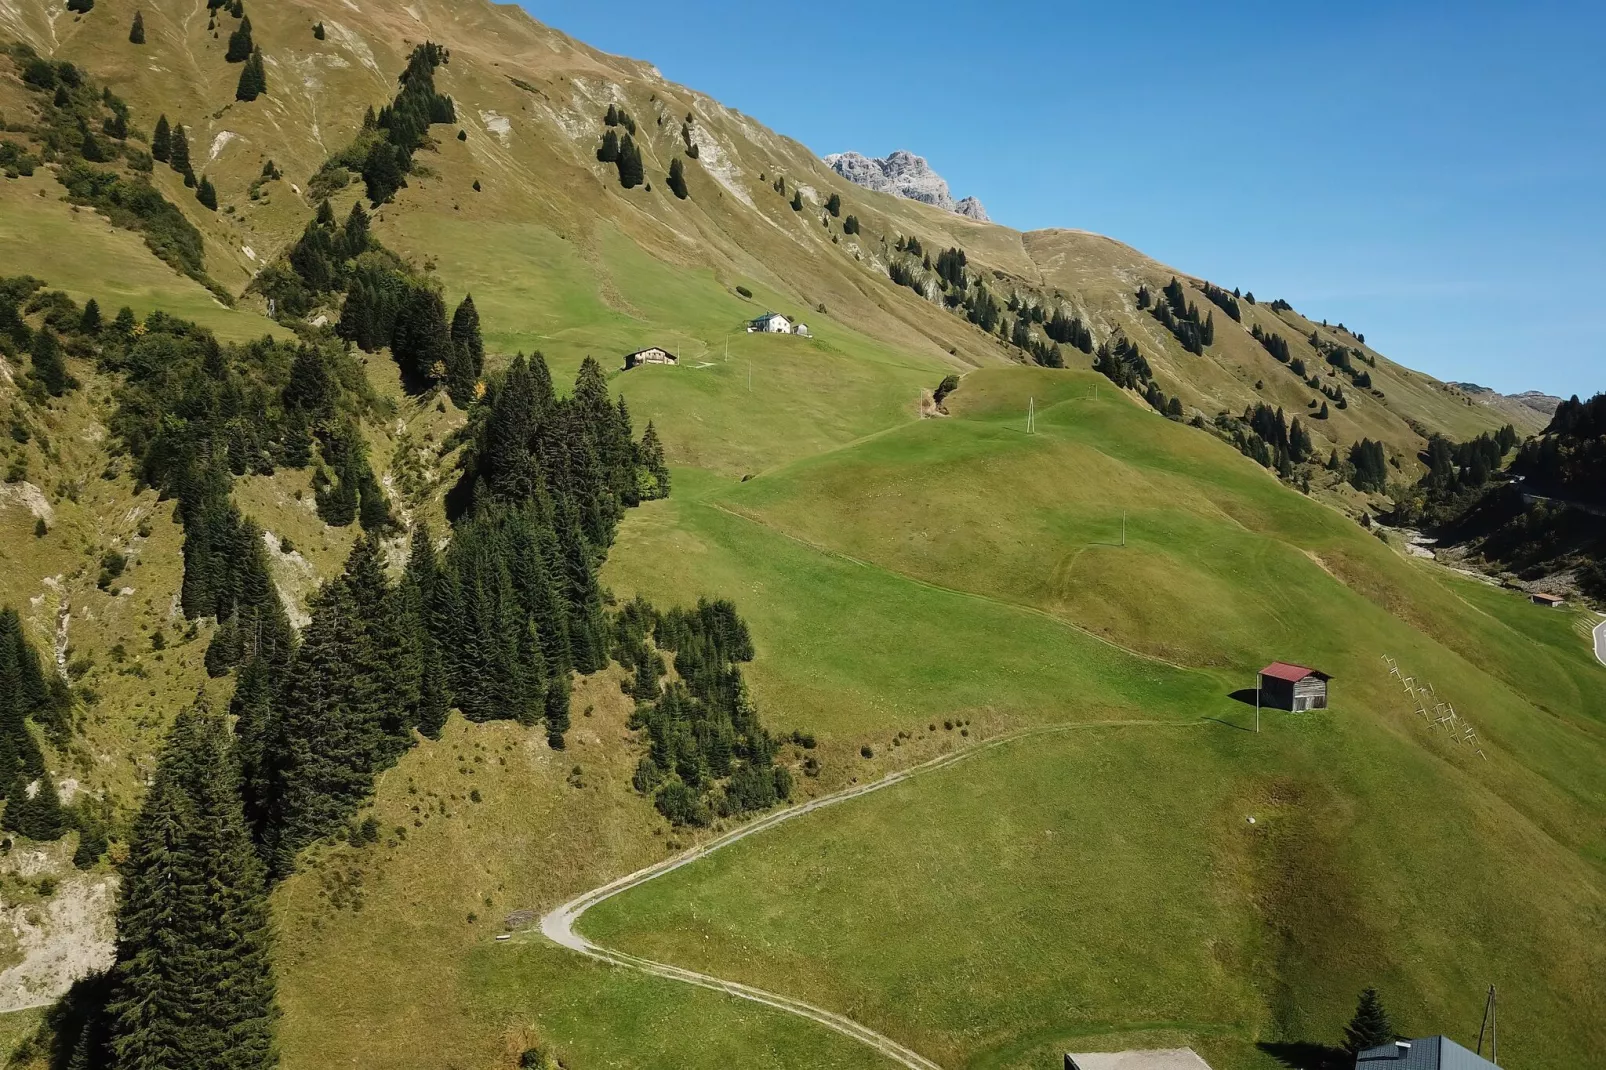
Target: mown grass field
{"type": "Point", "coordinates": [1105, 883]}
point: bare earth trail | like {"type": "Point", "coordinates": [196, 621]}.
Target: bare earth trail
{"type": "Point", "coordinates": [558, 925]}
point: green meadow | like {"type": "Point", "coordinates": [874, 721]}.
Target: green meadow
{"type": "Point", "coordinates": [1102, 885]}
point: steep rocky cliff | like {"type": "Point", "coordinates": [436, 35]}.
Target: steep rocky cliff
{"type": "Point", "coordinates": [904, 174]}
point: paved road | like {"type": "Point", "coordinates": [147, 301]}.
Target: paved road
{"type": "Point", "coordinates": [1600, 641]}
{"type": "Point", "coordinates": [558, 925]}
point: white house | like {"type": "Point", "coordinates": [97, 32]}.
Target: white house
{"type": "Point", "coordinates": [651, 355]}
{"type": "Point", "coordinates": [770, 323]}
{"type": "Point", "coordinates": [801, 329]}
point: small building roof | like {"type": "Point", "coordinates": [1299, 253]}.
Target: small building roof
{"type": "Point", "coordinates": [651, 349]}
{"type": "Point", "coordinates": [1159, 1059]}
{"type": "Point", "coordinates": [1424, 1053]}
{"type": "Point", "coordinates": [1282, 670]}
{"type": "Point", "coordinates": [1541, 596]}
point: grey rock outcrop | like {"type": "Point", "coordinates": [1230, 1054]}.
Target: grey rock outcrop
{"type": "Point", "coordinates": [903, 174]}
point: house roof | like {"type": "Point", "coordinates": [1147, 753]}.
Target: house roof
{"type": "Point", "coordinates": [1282, 670]}
{"type": "Point", "coordinates": [1161, 1059]}
{"type": "Point", "coordinates": [651, 349]}
{"type": "Point", "coordinates": [1541, 596]}
{"type": "Point", "coordinates": [1424, 1053]}
{"type": "Point", "coordinates": [770, 316]}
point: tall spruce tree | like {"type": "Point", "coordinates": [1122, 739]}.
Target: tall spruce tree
{"type": "Point", "coordinates": [206, 193]}
{"type": "Point", "coordinates": [677, 178]}
{"type": "Point", "coordinates": [179, 155]}
{"type": "Point", "coordinates": [253, 78]}
{"type": "Point", "coordinates": [632, 173]}
{"type": "Point", "coordinates": [1370, 1025]}
{"type": "Point", "coordinates": [240, 43]}
{"type": "Point", "coordinates": [328, 736]}
{"type": "Point", "coordinates": [136, 32]}
{"type": "Point", "coordinates": [194, 980]}
{"type": "Point", "coordinates": [49, 367]}
{"type": "Point", "coordinates": [468, 352]}
{"type": "Point", "coordinates": [162, 141]}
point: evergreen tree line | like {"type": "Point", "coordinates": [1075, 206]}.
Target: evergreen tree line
{"type": "Point", "coordinates": [1169, 407]}
{"type": "Point", "coordinates": [391, 138]}
{"type": "Point", "coordinates": [1569, 459]}
{"type": "Point", "coordinates": [617, 116]}
{"type": "Point", "coordinates": [494, 627]}
{"type": "Point", "coordinates": [1266, 436]}
{"type": "Point", "coordinates": [1069, 331]}
{"type": "Point", "coordinates": [386, 303]}
{"type": "Point", "coordinates": [27, 692]}
{"type": "Point", "coordinates": [192, 982]}
{"type": "Point", "coordinates": [1227, 302]}
{"type": "Point", "coordinates": [1181, 317]}
{"type": "Point", "coordinates": [194, 414]}
{"type": "Point", "coordinates": [708, 755]}
{"type": "Point", "coordinates": [625, 155]}
{"type": "Point", "coordinates": [84, 130]}
{"type": "Point", "coordinates": [1368, 466]}
{"type": "Point", "coordinates": [44, 347]}
{"type": "Point", "coordinates": [1120, 361]}
{"type": "Point", "coordinates": [1274, 343]}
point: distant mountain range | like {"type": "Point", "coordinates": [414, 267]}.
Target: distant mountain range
{"type": "Point", "coordinates": [903, 174]}
{"type": "Point", "coordinates": [1538, 401]}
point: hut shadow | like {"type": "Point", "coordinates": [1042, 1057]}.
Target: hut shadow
{"type": "Point", "coordinates": [1302, 1055]}
{"type": "Point", "coordinates": [1249, 696]}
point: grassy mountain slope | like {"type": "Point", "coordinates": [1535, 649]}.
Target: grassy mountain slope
{"type": "Point", "coordinates": [898, 574]}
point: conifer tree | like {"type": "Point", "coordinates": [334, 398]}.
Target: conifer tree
{"type": "Point", "coordinates": [89, 322]}
{"type": "Point", "coordinates": [162, 141]}
{"type": "Point", "coordinates": [557, 712]}
{"type": "Point", "coordinates": [240, 44]}
{"type": "Point", "coordinates": [179, 158]}
{"type": "Point", "coordinates": [422, 343]}
{"type": "Point", "coordinates": [136, 32]}
{"type": "Point", "coordinates": [253, 78]}
{"type": "Point", "coordinates": [1370, 1025]}
{"type": "Point", "coordinates": [328, 733]}
{"type": "Point", "coordinates": [631, 171]}
{"type": "Point", "coordinates": [193, 976]}
{"type": "Point", "coordinates": [206, 193]}
{"type": "Point", "coordinates": [318, 32]}
{"type": "Point", "coordinates": [608, 152]}
{"type": "Point", "coordinates": [677, 178]}
{"type": "Point", "coordinates": [468, 352]}
{"type": "Point", "coordinates": [48, 365]}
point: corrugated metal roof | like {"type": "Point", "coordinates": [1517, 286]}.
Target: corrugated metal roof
{"type": "Point", "coordinates": [1424, 1053]}
{"type": "Point", "coordinates": [1282, 670]}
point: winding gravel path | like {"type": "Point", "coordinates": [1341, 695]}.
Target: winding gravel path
{"type": "Point", "coordinates": [558, 925]}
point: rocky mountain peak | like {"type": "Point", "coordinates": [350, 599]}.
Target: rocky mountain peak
{"type": "Point", "coordinates": [903, 174]}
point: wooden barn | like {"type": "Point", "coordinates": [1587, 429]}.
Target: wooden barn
{"type": "Point", "coordinates": [1293, 687]}
{"type": "Point", "coordinates": [652, 355]}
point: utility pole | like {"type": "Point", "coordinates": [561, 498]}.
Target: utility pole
{"type": "Point", "coordinates": [1257, 703]}
{"type": "Point", "coordinates": [1031, 416]}
{"type": "Point", "coordinates": [1489, 1024]}
{"type": "Point", "coordinates": [1123, 529]}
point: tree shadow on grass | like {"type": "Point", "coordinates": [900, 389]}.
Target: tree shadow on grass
{"type": "Point", "coordinates": [1300, 1055]}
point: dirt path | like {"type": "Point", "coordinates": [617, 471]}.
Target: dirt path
{"type": "Point", "coordinates": [558, 924]}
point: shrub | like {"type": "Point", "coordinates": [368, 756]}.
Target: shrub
{"type": "Point", "coordinates": [866, 751]}
{"type": "Point", "coordinates": [745, 292]}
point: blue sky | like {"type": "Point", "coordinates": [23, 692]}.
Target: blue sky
{"type": "Point", "coordinates": [1430, 174]}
